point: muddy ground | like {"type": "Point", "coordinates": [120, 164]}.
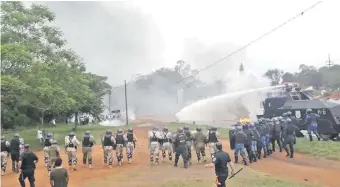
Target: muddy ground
{"type": "Point", "coordinates": [301, 169]}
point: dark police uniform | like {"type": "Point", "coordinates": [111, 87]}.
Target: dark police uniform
{"type": "Point", "coordinates": [15, 153]}
{"type": "Point", "coordinates": [221, 169]}
{"type": "Point", "coordinates": [181, 148]}
{"type": "Point", "coordinates": [27, 167]}
{"type": "Point", "coordinates": [288, 133]}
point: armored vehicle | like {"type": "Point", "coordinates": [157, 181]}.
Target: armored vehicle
{"type": "Point", "coordinates": [297, 102]}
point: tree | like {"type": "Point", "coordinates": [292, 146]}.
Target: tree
{"type": "Point", "coordinates": [274, 75]}
{"type": "Point", "coordinates": [39, 74]}
{"type": "Point", "coordinates": [288, 77]}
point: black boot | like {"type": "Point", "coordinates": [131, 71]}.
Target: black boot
{"type": "Point", "coordinates": [310, 137]}
{"type": "Point", "coordinates": [259, 154]}
{"type": "Point", "coordinates": [185, 163]}
{"type": "Point", "coordinates": [176, 161]}
{"type": "Point", "coordinates": [254, 157]}
{"type": "Point", "coordinates": [245, 162]}
{"type": "Point", "coordinates": [250, 158]}
{"type": "Point", "coordinates": [236, 159]}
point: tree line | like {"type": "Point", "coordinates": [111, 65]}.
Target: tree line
{"type": "Point", "coordinates": [40, 77]}
{"type": "Point", "coordinates": [326, 77]}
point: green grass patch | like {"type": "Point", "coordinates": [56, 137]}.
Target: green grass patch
{"type": "Point", "coordinates": [59, 133]}
{"type": "Point", "coordinates": [326, 149]}
{"type": "Point", "coordinates": [252, 179]}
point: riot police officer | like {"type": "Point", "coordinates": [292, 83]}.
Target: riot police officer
{"type": "Point", "coordinates": [188, 134]}
{"type": "Point", "coordinates": [288, 133]}
{"type": "Point", "coordinates": [221, 162]}
{"type": "Point", "coordinates": [181, 147]}
{"type": "Point", "coordinates": [239, 138]}
{"type": "Point", "coordinates": [28, 161]}
{"type": "Point", "coordinates": [311, 120]}
{"type": "Point", "coordinates": [87, 148]}
{"type": "Point", "coordinates": [15, 152]}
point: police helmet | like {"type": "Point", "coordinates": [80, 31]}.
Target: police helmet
{"type": "Point", "coordinates": [256, 123]}
{"type": "Point", "coordinates": [16, 135]}
{"type": "Point", "coordinates": [165, 129]}
{"type": "Point", "coordinates": [87, 132]}
{"type": "Point", "coordinates": [280, 118]}
{"type": "Point", "coordinates": [251, 125]}
{"type": "Point", "coordinates": [49, 135]}
{"type": "Point", "coordinates": [155, 128]}
{"type": "Point", "coordinates": [238, 128]}
{"type": "Point", "coordinates": [71, 134]}
{"type": "Point", "coordinates": [288, 121]}
{"type": "Point", "coordinates": [267, 120]}
{"type": "Point", "coordinates": [26, 146]}
{"type": "Point", "coordinates": [108, 132]}
{"type": "Point", "coordinates": [179, 130]}
{"type": "Point", "coordinates": [120, 131]}
{"type": "Point", "coordinates": [309, 111]}
{"type": "Point", "coordinates": [186, 128]}
{"type": "Point", "coordinates": [289, 113]}
{"type": "Point", "coordinates": [198, 129]}
{"type": "Point", "coordinates": [214, 128]}
{"type": "Point", "coordinates": [218, 146]}
{"type": "Point", "coordinates": [284, 114]}
{"type": "Point", "coordinates": [54, 142]}
{"type": "Point", "coordinates": [130, 130]}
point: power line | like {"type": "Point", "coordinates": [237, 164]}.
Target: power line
{"type": "Point", "coordinates": [329, 63]}
{"type": "Point", "coordinates": [252, 42]}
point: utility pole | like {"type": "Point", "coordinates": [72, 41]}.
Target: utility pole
{"type": "Point", "coordinates": [329, 62]}
{"type": "Point", "coordinates": [110, 94]}
{"type": "Point", "coordinates": [126, 105]}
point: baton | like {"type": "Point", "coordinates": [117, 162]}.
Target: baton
{"type": "Point", "coordinates": [233, 175]}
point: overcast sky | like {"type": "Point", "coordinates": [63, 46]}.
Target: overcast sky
{"type": "Point", "coordinates": [120, 39]}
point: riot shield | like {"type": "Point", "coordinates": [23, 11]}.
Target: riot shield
{"type": "Point", "coordinates": [231, 140]}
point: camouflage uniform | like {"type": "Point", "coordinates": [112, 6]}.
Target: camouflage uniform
{"type": "Point", "coordinates": [154, 145]}
{"type": "Point", "coordinates": [211, 140]}
{"type": "Point", "coordinates": [167, 144]}
{"type": "Point", "coordinates": [4, 154]}
{"type": "Point", "coordinates": [199, 142]}
{"type": "Point", "coordinates": [71, 145]}
{"type": "Point", "coordinates": [47, 144]}
{"type": "Point", "coordinates": [189, 141]}
{"type": "Point", "coordinates": [53, 153]}
{"type": "Point", "coordinates": [87, 148]}
{"type": "Point", "coordinates": [130, 139]}
{"type": "Point", "coordinates": [120, 143]}
{"type": "Point", "coordinates": [108, 144]}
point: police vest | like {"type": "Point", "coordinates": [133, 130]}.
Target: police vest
{"type": "Point", "coordinates": [70, 143]}
{"type": "Point", "coordinates": [181, 139]}
{"type": "Point", "coordinates": [14, 147]}
{"type": "Point", "coordinates": [129, 137]}
{"type": "Point", "coordinates": [188, 135]}
{"type": "Point", "coordinates": [166, 139]}
{"type": "Point", "coordinates": [212, 137]}
{"type": "Point", "coordinates": [87, 142]}
{"type": "Point", "coordinates": [290, 129]}
{"type": "Point", "coordinates": [119, 139]}
{"type": "Point", "coordinates": [47, 143]}
{"type": "Point", "coordinates": [154, 138]}
{"type": "Point", "coordinates": [3, 146]}
{"type": "Point", "coordinates": [107, 141]}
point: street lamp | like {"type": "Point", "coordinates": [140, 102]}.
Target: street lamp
{"type": "Point", "coordinates": [126, 102]}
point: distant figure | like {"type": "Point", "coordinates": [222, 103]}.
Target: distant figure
{"type": "Point", "coordinates": [53, 123]}
{"type": "Point", "coordinates": [59, 175]}
{"type": "Point", "coordinates": [40, 136]}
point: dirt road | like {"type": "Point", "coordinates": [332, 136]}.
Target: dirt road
{"type": "Point", "coordinates": [301, 169]}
